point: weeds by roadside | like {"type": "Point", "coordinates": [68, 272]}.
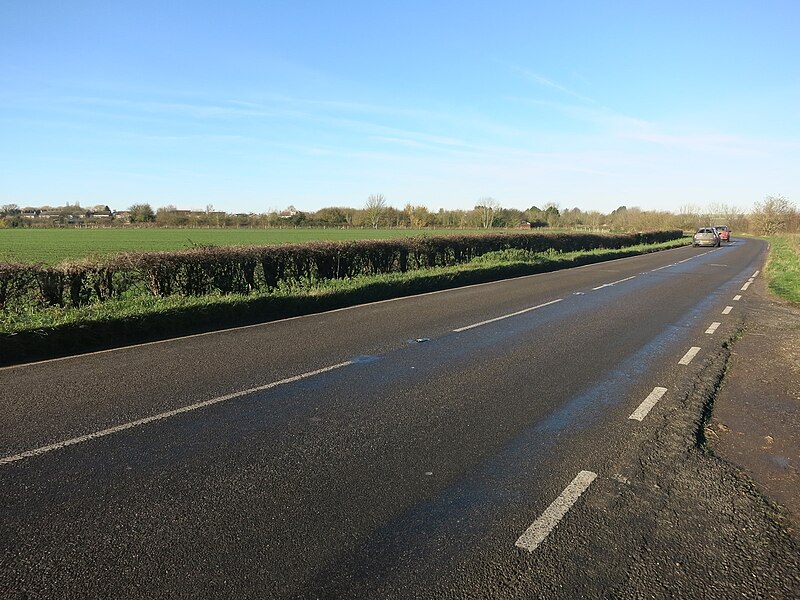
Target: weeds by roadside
{"type": "Point", "coordinates": [783, 267]}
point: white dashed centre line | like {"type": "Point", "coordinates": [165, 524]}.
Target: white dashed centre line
{"type": "Point", "coordinates": [713, 327]}
{"type": "Point", "coordinates": [737, 297]}
{"type": "Point", "coordinates": [727, 310]}
{"type": "Point", "coordinates": [605, 285]}
{"type": "Point", "coordinates": [687, 358]}
{"type": "Point", "coordinates": [640, 413]}
{"type": "Point", "coordinates": [541, 527]}
{"type": "Point", "coordinates": [746, 285]}
{"type": "Point", "coordinates": [166, 415]}
{"type": "Point", "coordinates": [519, 312]}
{"type": "Point", "coordinates": [754, 275]}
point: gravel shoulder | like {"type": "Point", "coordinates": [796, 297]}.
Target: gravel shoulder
{"type": "Point", "coordinates": [756, 420]}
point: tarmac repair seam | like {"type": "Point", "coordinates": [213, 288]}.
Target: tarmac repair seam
{"type": "Point", "coordinates": [167, 414]}
{"type": "Point", "coordinates": [541, 527]}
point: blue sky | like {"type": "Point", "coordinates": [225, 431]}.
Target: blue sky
{"type": "Point", "coordinates": [253, 106]}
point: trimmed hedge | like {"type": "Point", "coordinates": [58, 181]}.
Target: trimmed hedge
{"type": "Point", "coordinates": [244, 269]}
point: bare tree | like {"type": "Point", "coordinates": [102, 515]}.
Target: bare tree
{"type": "Point", "coordinates": [772, 215]}
{"type": "Point", "coordinates": [375, 209]}
{"type": "Point", "coordinates": [486, 208]}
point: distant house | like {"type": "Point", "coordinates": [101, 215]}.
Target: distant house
{"type": "Point", "coordinates": [523, 225]}
{"type": "Point", "coordinates": [288, 213]}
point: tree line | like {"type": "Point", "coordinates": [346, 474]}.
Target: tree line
{"type": "Point", "coordinates": [772, 215]}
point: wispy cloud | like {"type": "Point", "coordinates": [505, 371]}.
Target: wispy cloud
{"type": "Point", "coordinates": [549, 83]}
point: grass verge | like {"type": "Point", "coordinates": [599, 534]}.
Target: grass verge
{"type": "Point", "coordinates": [783, 267]}
{"type": "Point", "coordinates": [57, 332]}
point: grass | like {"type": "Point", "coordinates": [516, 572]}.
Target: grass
{"type": "Point", "coordinates": [783, 267]}
{"type": "Point", "coordinates": [318, 295]}
{"type": "Point", "coordinates": [51, 246]}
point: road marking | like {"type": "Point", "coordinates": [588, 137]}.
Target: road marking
{"type": "Point", "coordinates": [713, 327]}
{"type": "Point", "coordinates": [541, 527]}
{"type": "Point", "coordinates": [167, 414]}
{"type": "Point", "coordinates": [746, 285]}
{"type": "Point", "coordinates": [727, 310]}
{"type": "Point", "coordinates": [640, 413]}
{"type": "Point", "coordinates": [519, 312]}
{"type": "Point", "coordinates": [737, 297]}
{"type": "Point", "coordinates": [664, 267]}
{"type": "Point", "coordinates": [687, 358]}
{"type": "Point", "coordinates": [754, 275]}
{"type": "Point", "coordinates": [605, 285]}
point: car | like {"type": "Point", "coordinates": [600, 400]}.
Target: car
{"type": "Point", "coordinates": [724, 233]}
{"type": "Point", "coordinates": [706, 236]}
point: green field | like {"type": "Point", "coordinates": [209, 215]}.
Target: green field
{"type": "Point", "coordinates": [52, 246]}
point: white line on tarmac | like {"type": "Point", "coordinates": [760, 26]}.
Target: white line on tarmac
{"type": "Point", "coordinates": [605, 285]}
{"type": "Point", "coordinates": [713, 327]}
{"type": "Point", "coordinates": [640, 413]}
{"type": "Point", "coordinates": [687, 358]}
{"type": "Point", "coordinates": [541, 527]}
{"type": "Point", "coordinates": [737, 297]}
{"type": "Point", "coordinates": [519, 312]}
{"type": "Point", "coordinates": [166, 415]}
{"type": "Point", "coordinates": [727, 310]}
{"type": "Point", "coordinates": [664, 267]}
{"type": "Point", "coordinates": [754, 275]}
{"type": "Point", "coordinates": [746, 285]}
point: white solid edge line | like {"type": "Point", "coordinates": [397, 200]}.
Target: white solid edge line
{"type": "Point", "coordinates": [755, 274]}
{"type": "Point", "coordinates": [333, 310]}
{"type": "Point", "coordinates": [644, 408]}
{"type": "Point", "coordinates": [687, 358]}
{"type": "Point", "coordinates": [541, 527]}
{"type": "Point", "coordinates": [727, 310]}
{"type": "Point", "coordinates": [713, 327]}
{"type": "Point", "coordinates": [519, 312]}
{"type": "Point", "coordinates": [737, 297]}
{"type": "Point", "coordinates": [166, 415]}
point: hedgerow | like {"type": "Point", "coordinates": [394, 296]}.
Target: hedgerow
{"type": "Point", "coordinates": [246, 269]}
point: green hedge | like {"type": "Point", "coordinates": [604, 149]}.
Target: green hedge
{"type": "Point", "coordinates": [239, 269]}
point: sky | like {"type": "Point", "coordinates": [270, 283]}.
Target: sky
{"type": "Point", "coordinates": [255, 106]}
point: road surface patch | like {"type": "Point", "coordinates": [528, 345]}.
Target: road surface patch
{"type": "Point", "coordinates": [165, 415]}
{"type": "Point", "coordinates": [645, 407]}
{"type": "Point", "coordinates": [541, 527]}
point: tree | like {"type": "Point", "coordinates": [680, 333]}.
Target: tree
{"type": "Point", "coordinates": [418, 216]}
{"type": "Point", "coordinates": [486, 208]}
{"type": "Point", "coordinates": [375, 209]}
{"type": "Point", "coordinates": [772, 215]}
{"type": "Point", "coordinates": [141, 213]}
{"type": "Point", "coordinates": [9, 210]}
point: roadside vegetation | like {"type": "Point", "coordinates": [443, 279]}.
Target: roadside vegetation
{"type": "Point", "coordinates": [119, 286]}
{"type": "Point", "coordinates": [783, 267]}
{"type": "Point", "coordinates": [30, 324]}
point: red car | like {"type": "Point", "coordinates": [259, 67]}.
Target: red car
{"type": "Point", "coordinates": [724, 233]}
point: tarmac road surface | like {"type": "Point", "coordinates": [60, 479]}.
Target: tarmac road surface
{"type": "Point", "coordinates": [526, 438]}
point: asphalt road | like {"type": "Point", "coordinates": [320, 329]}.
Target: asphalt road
{"type": "Point", "coordinates": [397, 449]}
